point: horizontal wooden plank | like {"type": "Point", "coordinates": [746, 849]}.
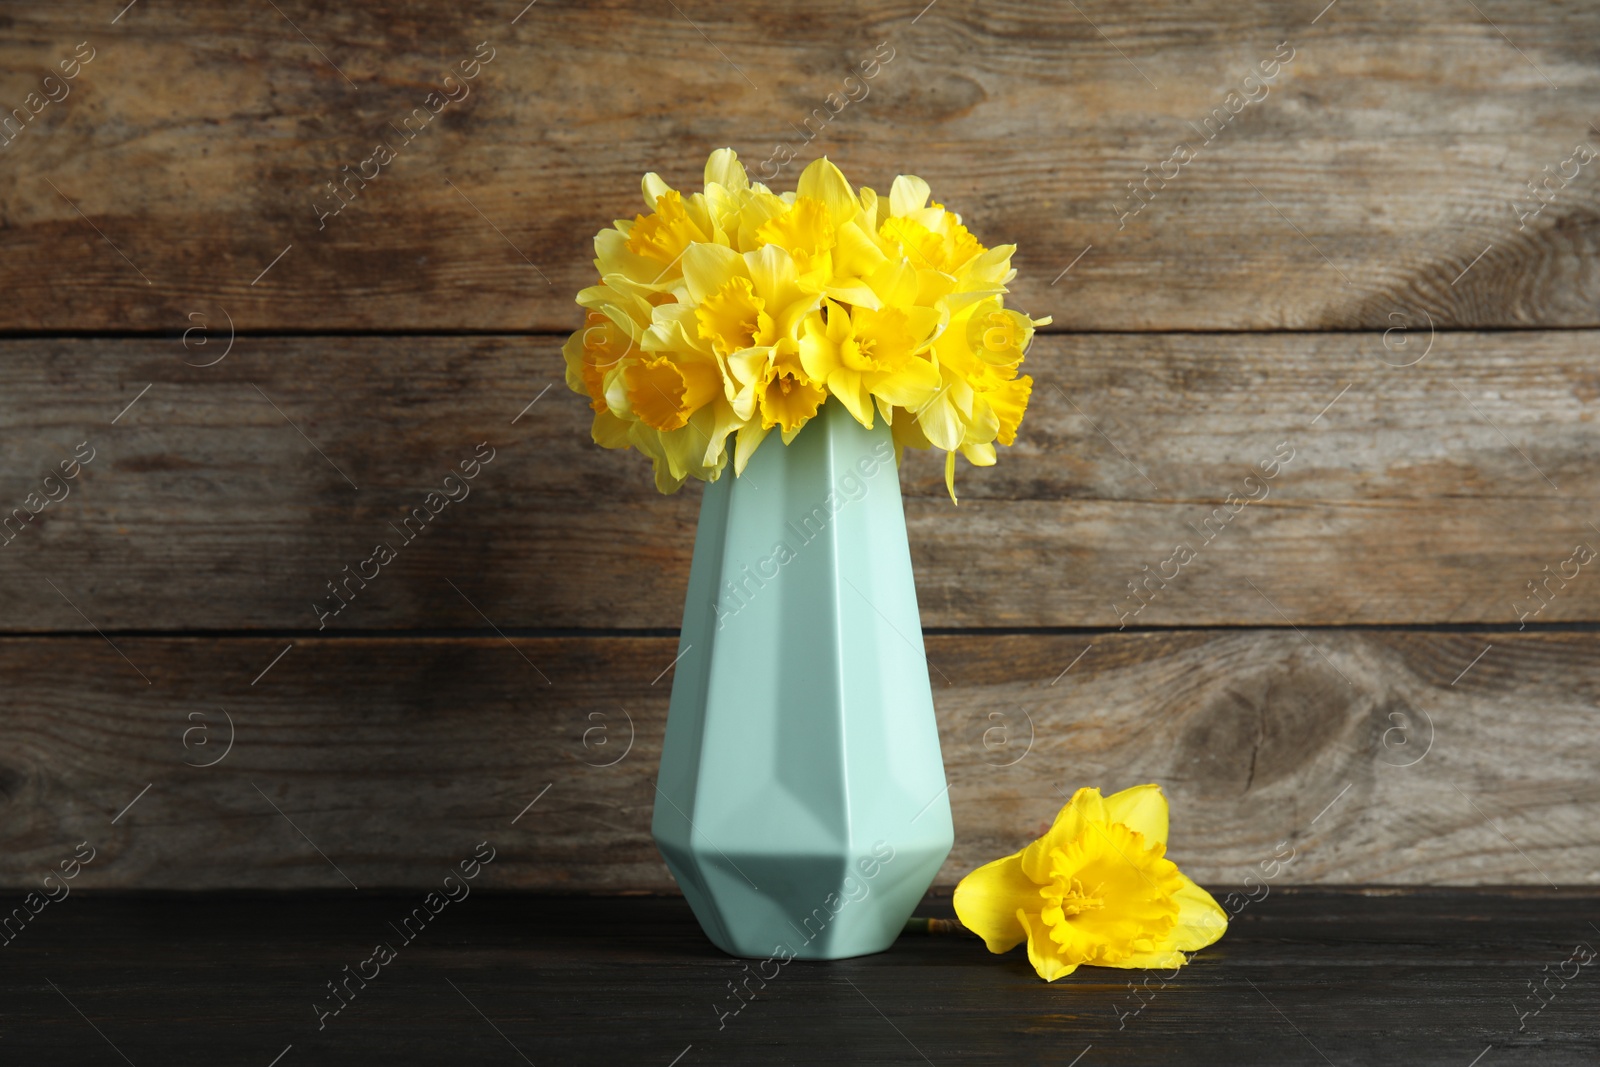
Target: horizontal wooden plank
{"type": "Point", "coordinates": [1386, 757]}
{"type": "Point", "coordinates": [186, 167]}
{"type": "Point", "coordinates": [1416, 977]}
{"type": "Point", "coordinates": [228, 497]}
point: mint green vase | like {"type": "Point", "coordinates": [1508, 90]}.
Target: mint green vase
{"type": "Point", "coordinates": [802, 802]}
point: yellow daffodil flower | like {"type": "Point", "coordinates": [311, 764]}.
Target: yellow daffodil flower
{"type": "Point", "coordinates": [862, 353]}
{"type": "Point", "coordinates": [806, 231]}
{"type": "Point", "coordinates": [734, 318]}
{"type": "Point", "coordinates": [664, 235]}
{"type": "Point", "coordinates": [785, 395]}
{"type": "Point", "coordinates": [1096, 889]}
{"type": "Point", "coordinates": [600, 348]}
{"type": "Point", "coordinates": [592, 351]}
{"type": "Point", "coordinates": [664, 390]}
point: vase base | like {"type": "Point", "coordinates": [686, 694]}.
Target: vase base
{"type": "Point", "coordinates": [807, 956]}
{"type": "Point", "coordinates": [814, 908]}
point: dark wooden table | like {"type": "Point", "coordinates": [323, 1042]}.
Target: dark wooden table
{"type": "Point", "coordinates": [1306, 976]}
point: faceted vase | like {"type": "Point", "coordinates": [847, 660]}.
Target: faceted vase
{"type": "Point", "coordinates": [802, 802]}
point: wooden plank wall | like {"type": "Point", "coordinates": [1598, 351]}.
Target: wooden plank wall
{"type": "Point", "coordinates": [1373, 661]}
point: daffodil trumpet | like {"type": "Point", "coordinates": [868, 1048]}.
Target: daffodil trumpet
{"type": "Point", "coordinates": [736, 311]}
{"type": "Point", "coordinates": [1096, 889]}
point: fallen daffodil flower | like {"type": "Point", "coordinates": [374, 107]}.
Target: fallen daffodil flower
{"type": "Point", "coordinates": [1096, 889]}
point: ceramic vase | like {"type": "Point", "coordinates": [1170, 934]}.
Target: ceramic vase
{"type": "Point", "coordinates": [802, 804]}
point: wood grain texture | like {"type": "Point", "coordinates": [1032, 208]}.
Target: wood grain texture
{"type": "Point", "coordinates": [1377, 757]}
{"type": "Point", "coordinates": [1422, 978]}
{"type": "Point", "coordinates": [1378, 191]}
{"type": "Point", "coordinates": [220, 499]}
{"type": "Point", "coordinates": [1389, 155]}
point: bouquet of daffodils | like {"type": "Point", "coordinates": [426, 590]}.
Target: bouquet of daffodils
{"type": "Point", "coordinates": [737, 311]}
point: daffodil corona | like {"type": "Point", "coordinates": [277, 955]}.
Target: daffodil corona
{"type": "Point", "coordinates": [737, 311]}
{"type": "Point", "coordinates": [1096, 889]}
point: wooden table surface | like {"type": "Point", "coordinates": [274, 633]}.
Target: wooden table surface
{"type": "Point", "coordinates": [1420, 978]}
{"type": "Point", "coordinates": [1383, 258]}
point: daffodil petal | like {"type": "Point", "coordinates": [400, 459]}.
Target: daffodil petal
{"type": "Point", "coordinates": [1042, 952]}
{"type": "Point", "coordinates": [773, 271]}
{"type": "Point", "coordinates": [923, 323]}
{"type": "Point", "coordinates": [1142, 808]}
{"type": "Point", "coordinates": [819, 352]}
{"type": "Point", "coordinates": [846, 384]}
{"type": "Point", "coordinates": [854, 291]}
{"type": "Point", "coordinates": [895, 281]}
{"type": "Point", "coordinates": [609, 431]}
{"type": "Point", "coordinates": [857, 253]}
{"type": "Point", "coordinates": [749, 436]}
{"type": "Point", "coordinates": [941, 421]}
{"type": "Point", "coordinates": [987, 902]}
{"type": "Point", "coordinates": [1086, 806]}
{"type": "Point", "coordinates": [980, 455]}
{"type": "Point", "coordinates": [653, 186]}
{"type": "Point", "coordinates": [723, 168]}
{"type": "Point", "coordinates": [911, 386]}
{"type": "Point", "coordinates": [1165, 959]}
{"type": "Point", "coordinates": [1201, 920]}
{"type": "Point", "coordinates": [823, 181]}
{"type": "Point", "coordinates": [908, 193]}
{"type": "Point", "coordinates": [707, 268]}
